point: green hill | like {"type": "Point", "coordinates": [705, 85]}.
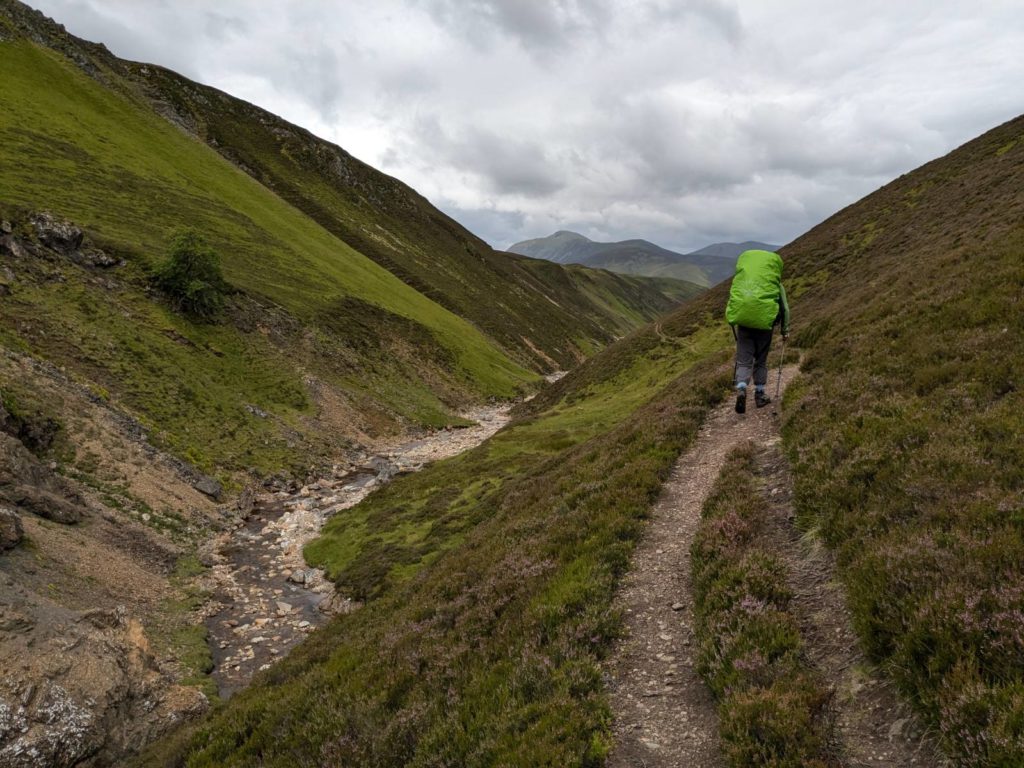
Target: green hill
{"type": "Point", "coordinates": [708, 266]}
{"type": "Point", "coordinates": [486, 624]}
{"type": "Point", "coordinates": [315, 326]}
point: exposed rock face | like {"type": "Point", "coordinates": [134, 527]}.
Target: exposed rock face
{"type": "Point", "coordinates": [87, 690]}
{"type": "Point", "coordinates": [26, 483]}
{"type": "Point", "coordinates": [36, 434]}
{"type": "Point", "coordinates": [58, 234]}
{"type": "Point", "coordinates": [54, 239]}
{"type": "Point", "coordinates": [11, 532]}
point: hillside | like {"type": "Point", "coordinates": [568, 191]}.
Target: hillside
{"type": "Point", "coordinates": [134, 435]}
{"type": "Point", "coordinates": [543, 318]}
{"type": "Point", "coordinates": [467, 322]}
{"type": "Point", "coordinates": [708, 266]}
{"type": "Point", "coordinates": [732, 250]}
{"type": "Point", "coordinates": [904, 432]}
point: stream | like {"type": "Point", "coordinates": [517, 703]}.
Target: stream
{"type": "Point", "coordinates": [265, 596]}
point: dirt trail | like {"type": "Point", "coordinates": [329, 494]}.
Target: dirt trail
{"type": "Point", "coordinates": [873, 725]}
{"type": "Point", "coordinates": [664, 714]}
{"type": "Point", "coordinates": [266, 599]}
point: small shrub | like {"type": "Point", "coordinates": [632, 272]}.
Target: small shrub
{"type": "Point", "coordinates": [776, 726]}
{"type": "Point", "coordinates": [191, 276]}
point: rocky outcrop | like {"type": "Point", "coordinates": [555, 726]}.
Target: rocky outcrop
{"type": "Point", "coordinates": [79, 689]}
{"type": "Point", "coordinates": [53, 238]}
{"type": "Point", "coordinates": [207, 485]}
{"type": "Point", "coordinates": [58, 234]}
{"type": "Point", "coordinates": [11, 531]}
{"type": "Point", "coordinates": [27, 483]}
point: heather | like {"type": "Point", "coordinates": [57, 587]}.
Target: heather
{"type": "Point", "coordinates": [906, 433]}
{"type": "Point", "coordinates": [772, 705]}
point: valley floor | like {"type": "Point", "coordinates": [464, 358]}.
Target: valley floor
{"type": "Point", "coordinates": [266, 599]}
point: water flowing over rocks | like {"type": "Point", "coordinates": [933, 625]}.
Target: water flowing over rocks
{"type": "Point", "coordinates": [266, 599]}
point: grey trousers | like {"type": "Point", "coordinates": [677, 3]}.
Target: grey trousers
{"type": "Point", "coordinates": [752, 347]}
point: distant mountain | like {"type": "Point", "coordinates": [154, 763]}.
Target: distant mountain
{"type": "Point", "coordinates": [706, 267]}
{"type": "Point", "coordinates": [732, 250]}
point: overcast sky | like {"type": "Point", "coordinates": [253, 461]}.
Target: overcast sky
{"type": "Point", "coordinates": [684, 122]}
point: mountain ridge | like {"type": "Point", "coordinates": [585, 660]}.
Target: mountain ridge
{"type": "Point", "coordinates": [706, 266]}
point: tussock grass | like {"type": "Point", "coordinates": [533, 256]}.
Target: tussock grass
{"type": "Point", "coordinates": [772, 706]}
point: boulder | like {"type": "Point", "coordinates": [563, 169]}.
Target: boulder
{"type": "Point", "coordinates": [11, 532]}
{"type": "Point", "coordinates": [27, 483]}
{"type": "Point", "coordinates": [46, 504]}
{"type": "Point", "coordinates": [207, 485]}
{"type": "Point", "coordinates": [58, 234]}
{"type": "Point", "coordinates": [94, 257]}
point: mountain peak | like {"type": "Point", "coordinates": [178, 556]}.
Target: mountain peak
{"type": "Point", "coordinates": [705, 267]}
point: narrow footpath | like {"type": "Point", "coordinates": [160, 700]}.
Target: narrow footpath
{"type": "Point", "coordinates": [872, 724]}
{"type": "Point", "coordinates": [664, 714]}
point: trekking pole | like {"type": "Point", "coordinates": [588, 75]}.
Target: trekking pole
{"type": "Point", "coordinates": [778, 381]}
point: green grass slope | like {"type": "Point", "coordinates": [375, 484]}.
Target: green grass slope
{"type": "Point", "coordinates": [129, 178]}
{"type": "Point", "coordinates": [539, 316]}
{"type": "Point", "coordinates": [489, 577]}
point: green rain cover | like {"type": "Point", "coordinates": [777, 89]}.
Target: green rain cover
{"type": "Point", "coordinates": [754, 295]}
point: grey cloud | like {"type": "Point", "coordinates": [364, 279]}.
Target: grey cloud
{"type": "Point", "coordinates": [503, 227]}
{"type": "Point", "coordinates": [220, 26]}
{"type": "Point", "coordinates": [537, 26]}
{"type": "Point", "coordinates": [724, 18]}
{"type": "Point", "coordinates": [682, 121]}
{"type": "Point", "coordinates": [505, 164]}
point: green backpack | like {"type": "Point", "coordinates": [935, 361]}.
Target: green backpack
{"type": "Point", "coordinates": [756, 293]}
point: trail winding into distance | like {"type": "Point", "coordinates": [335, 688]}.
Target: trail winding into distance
{"type": "Point", "coordinates": [665, 716]}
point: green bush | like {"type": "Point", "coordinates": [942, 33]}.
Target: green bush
{"type": "Point", "coordinates": [191, 276]}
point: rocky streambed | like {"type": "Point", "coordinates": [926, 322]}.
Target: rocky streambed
{"type": "Point", "coordinates": [265, 597]}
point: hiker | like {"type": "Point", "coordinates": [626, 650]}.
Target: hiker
{"type": "Point", "coordinates": [757, 303]}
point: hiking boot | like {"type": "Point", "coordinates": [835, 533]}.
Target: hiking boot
{"type": "Point", "coordinates": [741, 400]}
{"type": "Point", "coordinates": [761, 399]}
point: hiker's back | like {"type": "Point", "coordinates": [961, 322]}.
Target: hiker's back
{"type": "Point", "coordinates": [755, 291]}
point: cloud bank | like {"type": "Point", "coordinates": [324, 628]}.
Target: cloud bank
{"type": "Point", "coordinates": [680, 121]}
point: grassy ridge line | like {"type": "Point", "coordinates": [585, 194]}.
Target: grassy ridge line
{"type": "Point", "coordinates": [488, 654]}
{"type": "Point", "coordinates": [906, 436]}
{"type": "Point", "coordinates": [137, 178]}
{"type": "Point", "coordinates": [312, 309]}
{"type": "Point", "coordinates": [555, 308]}
{"type": "Point", "coordinates": [771, 705]}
